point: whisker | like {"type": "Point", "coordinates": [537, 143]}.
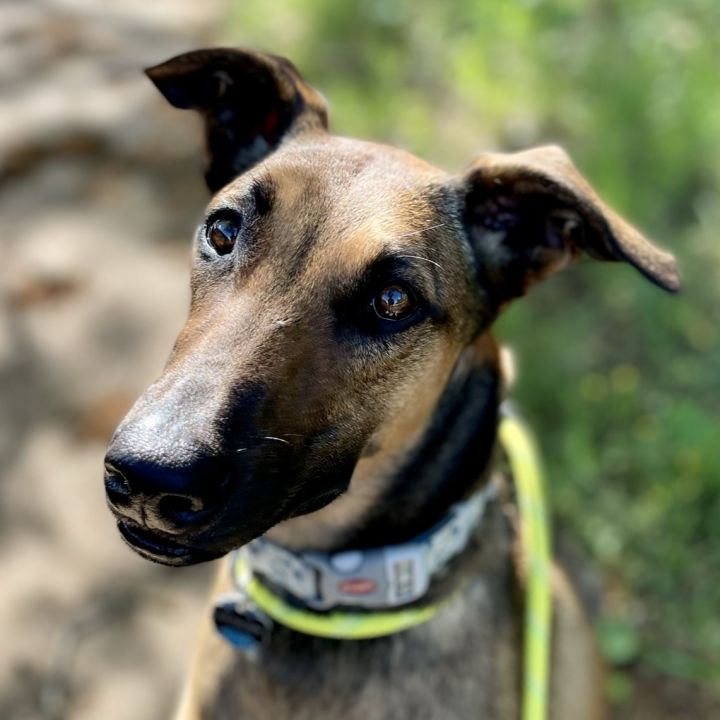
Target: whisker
{"type": "Point", "coordinates": [276, 439]}
{"type": "Point", "coordinates": [418, 257]}
{"type": "Point", "coordinates": [422, 230]}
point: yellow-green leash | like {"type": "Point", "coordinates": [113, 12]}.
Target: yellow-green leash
{"type": "Point", "coordinates": [524, 461]}
{"type": "Point", "coordinates": [522, 455]}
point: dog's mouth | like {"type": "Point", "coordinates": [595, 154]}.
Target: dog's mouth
{"type": "Point", "coordinates": [158, 548]}
{"type": "Point", "coordinates": [319, 501]}
{"type": "Point", "coordinates": [167, 529]}
{"type": "Point", "coordinates": [163, 548]}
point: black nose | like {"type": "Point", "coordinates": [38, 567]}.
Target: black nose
{"type": "Point", "coordinates": [163, 493]}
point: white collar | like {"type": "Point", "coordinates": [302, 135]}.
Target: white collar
{"type": "Point", "coordinates": [384, 577]}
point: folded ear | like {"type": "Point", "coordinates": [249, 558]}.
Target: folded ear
{"type": "Point", "coordinates": [250, 102]}
{"type": "Point", "coordinates": [529, 214]}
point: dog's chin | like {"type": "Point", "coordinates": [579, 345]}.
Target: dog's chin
{"type": "Point", "coordinates": [159, 549]}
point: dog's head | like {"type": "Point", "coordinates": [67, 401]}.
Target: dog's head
{"type": "Point", "coordinates": [335, 285]}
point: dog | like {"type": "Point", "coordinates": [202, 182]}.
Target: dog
{"type": "Point", "coordinates": [336, 390]}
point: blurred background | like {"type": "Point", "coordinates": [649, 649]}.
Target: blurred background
{"type": "Point", "coordinates": [100, 190]}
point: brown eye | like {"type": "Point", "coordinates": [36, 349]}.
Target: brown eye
{"type": "Point", "coordinates": [222, 234]}
{"type": "Point", "coordinates": [393, 303]}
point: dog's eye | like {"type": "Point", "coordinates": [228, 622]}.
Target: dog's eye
{"type": "Point", "coordinates": [394, 302]}
{"type": "Point", "coordinates": [222, 233]}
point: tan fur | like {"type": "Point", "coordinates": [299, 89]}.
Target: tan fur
{"type": "Point", "coordinates": [295, 391]}
{"type": "Point", "coordinates": [576, 674]}
{"type": "Point", "coordinates": [576, 671]}
{"type": "Point", "coordinates": [325, 528]}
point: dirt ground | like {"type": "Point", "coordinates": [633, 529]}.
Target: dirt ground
{"type": "Point", "coordinates": [99, 192]}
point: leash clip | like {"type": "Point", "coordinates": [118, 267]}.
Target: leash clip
{"type": "Point", "coordinates": [241, 622]}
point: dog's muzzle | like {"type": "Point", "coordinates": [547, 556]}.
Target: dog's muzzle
{"type": "Point", "coordinates": [162, 499]}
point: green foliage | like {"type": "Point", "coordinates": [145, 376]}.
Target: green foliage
{"type": "Point", "coordinates": [620, 380]}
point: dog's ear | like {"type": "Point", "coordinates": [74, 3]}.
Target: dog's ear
{"type": "Point", "coordinates": [250, 103]}
{"type": "Point", "coordinates": [528, 214]}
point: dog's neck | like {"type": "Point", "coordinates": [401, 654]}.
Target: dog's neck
{"type": "Point", "coordinates": [415, 468]}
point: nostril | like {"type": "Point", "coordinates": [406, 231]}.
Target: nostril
{"type": "Point", "coordinates": [116, 484]}
{"type": "Point", "coordinates": [181, 508]}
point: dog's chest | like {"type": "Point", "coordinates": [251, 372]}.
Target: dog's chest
{"type": "Point", "coordinates": [463, 663]}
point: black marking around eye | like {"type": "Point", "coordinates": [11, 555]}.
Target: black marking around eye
{"type": "Point", "coordinates": [255, 204]}
{"type": "Point", "coordinates": [263, 194]}
{"type": "Point", "coordinates": [355, 317]}
{"type": "Point", "coordinates": [231, 222]}
{"type": "Point", "coordinates": [222, 235]}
